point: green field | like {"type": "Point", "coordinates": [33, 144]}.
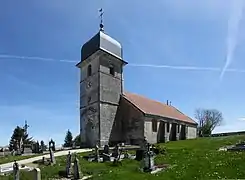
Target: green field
{"type": "Point", "coordinates": [194, 159]}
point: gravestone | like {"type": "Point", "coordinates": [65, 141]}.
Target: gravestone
{"type": "Point", "coordinates": [16, 171]}
{"type": "Point", "coordinates": [52, 145]}
{"type": "Point", "coordinates": [68, 165]}
{"type": "Point", "coordinates": [148, 161]}
{"type": "Point", "coordinates": [140, 153]}
{"type": "Point", "coordinates": [116, 152]}
{"type": "Point", "coordinates": [76, 167]}
{"type": "Point", "coordinates": [126, 154]}
{"type": "Point", "coordinates": [43, 160]}
{"type": "Point", "coordinates": [97, 154]}
{"type": "Point", "coordinates": [37, 174]}
{"type": "Point", "coordinates": [42, 147]}
{"type": "Point", "coordinates": [37, 147]}
{"type": "Point", "coordinates": [106, 155]}
{"type": "Point", "coordinates": [52, 157]}
{"type": "Point", "coordinates": [18, 147]}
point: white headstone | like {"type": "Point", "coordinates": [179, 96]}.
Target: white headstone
{"type": "Point", "coordinates": [37, 174]}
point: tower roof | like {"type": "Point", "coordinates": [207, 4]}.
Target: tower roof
{"type": "Point", "coordinates": [101, 41]}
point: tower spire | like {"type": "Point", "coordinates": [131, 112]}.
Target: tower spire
{"type": "Point", "coordinates": [101, 19]}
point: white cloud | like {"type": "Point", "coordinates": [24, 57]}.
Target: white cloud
{"type": "Point", "coordinates": [241, 119]}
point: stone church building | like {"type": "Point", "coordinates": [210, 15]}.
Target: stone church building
{"type": "Point", "coordinates": [109, 115]}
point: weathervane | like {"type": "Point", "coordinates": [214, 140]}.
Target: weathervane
{"type": "Point", "coordinates": [101, 19]}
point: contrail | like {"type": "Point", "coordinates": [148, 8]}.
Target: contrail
{"type": "Point", "coordinates": [233, 31]}
{"type": "Point", "coordinates": [36, 58]}
{"type": "Point", "coordinates": [190, 68]}
{"type": "Point", "coordinates": [177, 67]}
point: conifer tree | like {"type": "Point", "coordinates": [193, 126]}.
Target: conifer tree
{"type": "Point", "coordinates": [68, 139]}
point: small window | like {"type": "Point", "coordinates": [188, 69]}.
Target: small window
{"type": "Point", "coordinates": [112, 71]}
{"type": "Point", "coordinates": [89, 99]}
{"type": "Point", "coordinates": [167, 127]}
{"type": "Point", "coordinates": [89, 70]}
{"type": "Point", "coordinates": [178, 126]}
{"type": "Point", "coordinates": [154, 125]}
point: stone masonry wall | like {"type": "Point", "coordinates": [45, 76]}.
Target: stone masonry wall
{"type": "Point", "coordinates": [155, 137]}
{"type": "Point", "coordinates": [89, 104]}
{"type": "Point", "coordinates": [109, 94]}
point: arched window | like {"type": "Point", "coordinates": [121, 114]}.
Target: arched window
{"type": "Point", "coordinates": [89, 70]}
{"type": "Point", "coordinates": [112, 70]}
{"type": "Point", "coordinates": [154, 125]}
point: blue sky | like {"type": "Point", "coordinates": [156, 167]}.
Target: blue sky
{"type": "Point", "coordinates": [176, 50]}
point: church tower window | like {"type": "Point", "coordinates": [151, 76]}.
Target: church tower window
{"type": "Point", "coordinates": [112, 70]}
{"type": "Point", "coordinates": [89, 70]}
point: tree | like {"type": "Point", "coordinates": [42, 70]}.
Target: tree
{"type": "Point", "coordinates": [18, 135]}
{"type": "Point", "coordinates": [68, 139]}
{"type": "Point", "coordinates": [208, 119]}
{"type": "Point", "coordinates": [77, 140]}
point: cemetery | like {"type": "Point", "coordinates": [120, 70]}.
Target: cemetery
{"type": "Point", "coordinates": [188, 159]}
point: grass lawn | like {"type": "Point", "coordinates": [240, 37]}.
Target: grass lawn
{"type": "Point", "coordinates": [194, 159]}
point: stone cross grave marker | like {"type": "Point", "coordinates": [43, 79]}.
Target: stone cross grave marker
{"type": "Point", "coordinates": [106, 155]}
{"type": "Point", "coordinates": [37, 174]}
{"type": "Point", "coordinates": [52, 157]}
{"type": "Point", "coordinates": [68, 165]}
{"type": "Point", "coordinates": [16, 171]}
{"type": "Point", "coordinates": [76, 167]}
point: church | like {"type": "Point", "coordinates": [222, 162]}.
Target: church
{"type": "Point", "coordinates": [109, 114]}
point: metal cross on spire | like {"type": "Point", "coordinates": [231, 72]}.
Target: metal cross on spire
{"type": "Point", "coordinates": [101, 19]}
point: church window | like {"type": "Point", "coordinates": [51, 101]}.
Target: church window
{"type": "Point", "coordinates": [112, 70]}
{"type": "Point", "coordinates": [154, 125]}
{"type": "Point", "coordinates": [89, 99]}
{"type": "Point", "coordinates": [89, 70]}
{"type": "Point", "coordinates": [168, 127]}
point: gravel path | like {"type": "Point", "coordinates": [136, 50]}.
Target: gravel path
{"type": "Point", "coordinates": [30, 160]}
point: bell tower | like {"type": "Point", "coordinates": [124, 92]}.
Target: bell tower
{"type": "Point", "coordinates": [101, 85]}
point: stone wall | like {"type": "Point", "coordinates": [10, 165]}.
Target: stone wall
{"type": "Point", "coordinates": [177, 130]}
{"type": "Point", "coordinates": [99, 97]}
{"type": "Point", "coordinates": [128, 126]}
{"type": "Point", "coordinates": [192, 132]}
{"type": "Point", "coordinates": [109, 94]}
{"type": "Point", "coordinates": [89, 101]}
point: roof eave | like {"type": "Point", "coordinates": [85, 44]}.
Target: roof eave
{"type": "Point", "coordinates": [171, 118]}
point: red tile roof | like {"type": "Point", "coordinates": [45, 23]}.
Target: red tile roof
{"type": "Point", "coordinates": [149, 106]}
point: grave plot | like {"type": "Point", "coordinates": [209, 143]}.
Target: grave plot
{"type": "Point", "coordinates": [118, 153]}
{"type": "Point", "coordinates": [240, 146]}
{"type": "Point", "coordinates": [72, 170]}
{"type": "Point", "coordinates": [99, 164]}
{"type": "Point", "coordinates": [145, 153]}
